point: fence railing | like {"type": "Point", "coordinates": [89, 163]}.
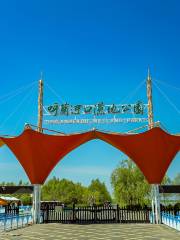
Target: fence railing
{"type": "Point", "coordinates": [172, 210]}
{"type": "Point", "coordinates": [171, 220]}
{"type": "Point", "coordinates": [11, 210]}
{"type": "Point", "coordinates": [15, 217]}
{"type": "Point", "coordinates": [9, 222]}
{"type": "Point", "coordinates": [12, 217]}
{"type": "Point", "coordinates": [94, 214]}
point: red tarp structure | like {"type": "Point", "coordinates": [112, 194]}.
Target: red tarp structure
{"type": "Point", "coordinates": [1, 143]}
{"type": "Point", "coordinates": [38, 153]}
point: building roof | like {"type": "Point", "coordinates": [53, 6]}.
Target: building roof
{"type": "Point", "coordinates": [9, 199]}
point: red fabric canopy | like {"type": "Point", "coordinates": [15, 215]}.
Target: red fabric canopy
{"type": "Point", "coordinates": [38, 153]}
{"type": "Point", "coordinates": [152, 151]}
{"type": "Point", "coordinates": [1, 143]}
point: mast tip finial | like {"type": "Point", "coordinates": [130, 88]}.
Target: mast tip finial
{"type": "Point", "coordinates": [41, 75]}
{"type": "Point", "coordinates": [149, 76]}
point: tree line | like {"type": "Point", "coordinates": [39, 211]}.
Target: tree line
{"type": "Point", "coordinates": [131, 188]}
{"type": "Point", "coordinates": [128, 183]}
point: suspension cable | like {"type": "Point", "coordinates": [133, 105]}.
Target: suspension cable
{"type": "Point", "coordinates": [54, 92]}
{"type": "Point", "coordinates": [13, 94]}
{"type": "Point", "coordinates": [167, 98]}
{"type": "Point", "coordinates": [130, 95]}
{"type": "Point", "coordinates": [29, 100]}
{"type": "Point", "coordinates": [156, 124]}
{"type": "Point", "coordinates": [16, 109]}
{"type": "Point", "coordinates": [46, 129]}
{"type": "Point", "coordinates": [166, 84]}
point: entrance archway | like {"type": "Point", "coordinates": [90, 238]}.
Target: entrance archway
{"type": "Point", "coordinates": [38, 153]}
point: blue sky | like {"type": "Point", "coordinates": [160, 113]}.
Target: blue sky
{"type": "Point", "coordinates": [89, 51]}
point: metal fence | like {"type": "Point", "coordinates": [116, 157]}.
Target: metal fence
{"type": "Point", "coordinates": [171, 220]}
{"type": "Point", "coordinates": [172, 210]}
{"type": "Point", "coordinates": [17, 217]}
{"type": "Point", "coordinates": [13, 218]}
{"type": "Point", "coordinates": [170, 216]}
{"type": "Point", "coordinates": [94, 214]}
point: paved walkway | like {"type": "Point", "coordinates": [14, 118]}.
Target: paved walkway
{"type": "Point", "coordinates": [93, 232]}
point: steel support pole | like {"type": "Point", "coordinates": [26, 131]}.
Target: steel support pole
{"type": "Point", "coordinates": [152, 204]}
{"type": "Point", "coordinates": [37, 203]}
{"type": "Point", "coordinates": [37, 187]}
{"type": "Point", "coordinates": [155, 188]}
{"type": "Point", "coordinates": [157, 204]}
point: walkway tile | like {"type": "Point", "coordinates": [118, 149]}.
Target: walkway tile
{"type": "Point", "coordinates": [93, 232]}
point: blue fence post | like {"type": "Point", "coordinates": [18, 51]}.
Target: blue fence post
{"type": "Point", "coordinates": [171, 220]}
{"type": "Point", "coordinates": [5, 222]}
{"type": "Point", "coordinates": [11, 222]}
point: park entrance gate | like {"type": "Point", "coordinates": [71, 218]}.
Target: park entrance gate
{"type": "Point", "coordinates": [52, 213]}
{"type": "Point", "coordinates": [30, 148]}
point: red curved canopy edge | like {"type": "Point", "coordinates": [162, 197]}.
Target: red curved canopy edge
{"type": "Point", "coordinates": [1, 143]}
{"type": "Point", "coordinates": [38, 153]}
{"type": "Point", "coordinates": [152, 151]}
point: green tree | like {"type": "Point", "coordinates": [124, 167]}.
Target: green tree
{"type": "Point", "coordinates": [176, 180]}
{"type": "Point", "coordinates": [68, 192]}
{"type": "Point", "coordinates": [90, 197]}
{"type": "Point", "coordinates": [166, 197]}
{"type": "Point", "coordinates": [98, 192]}
{"type": "Point", "coordinates": [20, 182]}
{"type": "Point", "coordinates": [62, 190]}
{"type": "Point", "coordinates": [129, 185]}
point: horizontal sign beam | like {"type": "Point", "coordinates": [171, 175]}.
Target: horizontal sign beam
{"type": "Point", "coordinates": [96, 121]}
{"type": "Point", "coordinates": [169, 189]}
{"type": "Point", "coordinates": [16, 189]}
